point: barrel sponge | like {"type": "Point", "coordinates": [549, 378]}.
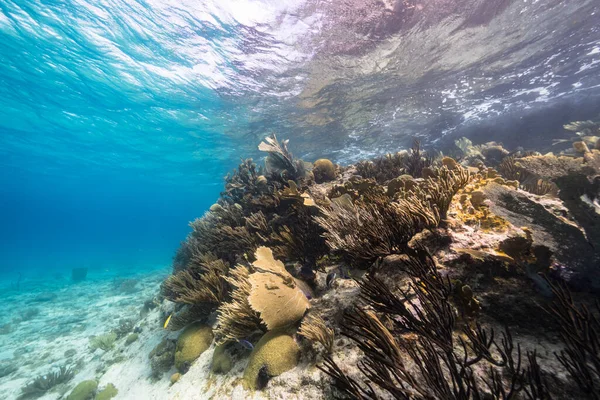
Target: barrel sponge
{"type": "Point", "coordinates": [275, 352]}
{"type": "Point", "coordinates": [192, 342]}
{"type": "Point", "coordinates": [83, 391]}
{"type": "Point", "coordinates": [323, 170]}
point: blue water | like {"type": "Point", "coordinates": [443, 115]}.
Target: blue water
{"type": "Point", "coordinates": [118, 119]}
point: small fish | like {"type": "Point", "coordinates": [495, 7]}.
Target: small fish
{"type": "Point", "coordinates": [482, 255]}
{"type": "Point", "coordinates": [559, 141]}
{"type": "Point", "coordinates": [246, 344]}
{"type": "Point", "coordinates": [167, 322]}
{"type": "Point", "coordinates": [330, 278]}
{"type": "Point", "coordinates": [345, 273]}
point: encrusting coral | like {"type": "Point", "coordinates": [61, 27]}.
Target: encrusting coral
{"type": "Point", "coordinates": [274, 354]}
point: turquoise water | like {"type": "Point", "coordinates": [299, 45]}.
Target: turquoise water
{"type": "Point", "coordinates": [118, 119]}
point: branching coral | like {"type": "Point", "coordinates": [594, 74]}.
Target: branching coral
{"type": "Point", "coordinates": [375, 226]}
{"type": "Point", "coordinates": [191, 287]}
{"type": "Point", "coordinates": [236, 319]}
{"type": "Point", "coordinates": [182, 256]}
{"type": "Point", "coordinates": [247, 179]}
{"type": "Point", "coordinates": [280, 163]}
{"type": "Point", "coordinates": [510, 168]}
{"type": "Point", "coordinates": [257, 224]}
{"type": "Point", "coordinates": [43, 383]}
{"type": "Point", "coordinates": [441, 187]}
{"type": "Point", "coordinates": [417, 160]}
{"type": "Point", "coordinates": [384, 168]}
{"type": "Point", "coordinates": [314, 329]}
{"type": "Point", "coordinates": [104, 342]}
{"type": "Point", "coordinates": [437, 363]}
{"type": "Point", "coordinates": [580, 332]}
{"type": "Point", "coordinates": [300, 239]}
{"type": "Point", "coordinates": [222, 231]}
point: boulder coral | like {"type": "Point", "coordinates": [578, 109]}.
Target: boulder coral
{"type": "Point", "coordinates": [107, 393]}
{"type": "Point", "coordinates": [323, 170]}
{"type": "Point", "coordinates": [221, 362]}
{"type": "Point", "coordinates": [274, 354]}
{"type": "Point", "coordinates": [84, 391]}
{"type": "Point", "coordinates": [193, 341]}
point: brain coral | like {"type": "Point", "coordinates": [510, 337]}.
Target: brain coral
{"type": "Point", "coordinates": [323, 170]}
{"type": "Point", "coordinates": [274, 354]}
{"type": "Point", "coordinates": [192, 342]}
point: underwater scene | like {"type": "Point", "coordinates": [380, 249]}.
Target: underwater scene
{"type": "Point", "coordinates": [300, 199]}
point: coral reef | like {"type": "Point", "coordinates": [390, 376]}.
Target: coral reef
{"type": "Point", "coordinates": [424, 265]}
{"type": "Point", "coordinates": [236, 317]}
{"type": "Point", "coordinates": [384, 168]}
{"type": "Point", "coordinates": [374, 226]}
{"type": "Point", "coordinates": [274, 354]}
{"type": "Point", "coordinates": [434, 362]}
{"type": "Point", "coordinates": [390, 166]}
{"type": "Point", "coordinates": [579, 326]}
